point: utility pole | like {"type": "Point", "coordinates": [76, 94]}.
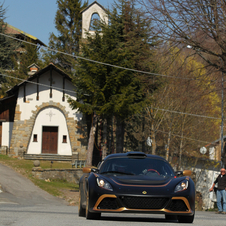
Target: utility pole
{"type": "Point", "coordinates": [222, 117]}
{"type": "Point", "coordinates": [222, 112]}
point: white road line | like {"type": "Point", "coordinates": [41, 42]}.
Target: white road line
{"type": "Point", "coordinates": [2, 202]}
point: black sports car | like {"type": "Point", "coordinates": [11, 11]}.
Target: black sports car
{"type": "Point", "coordinates": [136, 182]}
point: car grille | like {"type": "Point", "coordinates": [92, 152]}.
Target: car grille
{"type": "Point", "coordinates": [143, 202]}
{"type": "Point", "coordinates": [108, 203]}
{"type": "Point", "coordinates": [131, 202]}
{"type": "Point", "coordinates": [177, 205]}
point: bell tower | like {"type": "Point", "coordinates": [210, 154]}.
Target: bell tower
{"type": "Point", "coordinates": [90, 14]}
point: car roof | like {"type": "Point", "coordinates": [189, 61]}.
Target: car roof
{"type": "Point", "coordinates": [133, 154]}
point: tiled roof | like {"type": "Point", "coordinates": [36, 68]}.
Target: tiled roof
{"type": "Point", "coordinates": [15, 31]}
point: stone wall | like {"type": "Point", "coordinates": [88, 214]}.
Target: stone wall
{"type": "Point", "coordinates": [70, 175]}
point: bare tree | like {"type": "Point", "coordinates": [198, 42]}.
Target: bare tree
{"type": "Point", "coordinates": [199, 24]}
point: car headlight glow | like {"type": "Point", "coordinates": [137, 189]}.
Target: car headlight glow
{"type": "Point", "coordinates": [104, 184]}
{"type": "Point", "coordinates": [183, 185]}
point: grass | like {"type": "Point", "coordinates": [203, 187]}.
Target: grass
{"type": "Point", "coordinates": [24, 167]}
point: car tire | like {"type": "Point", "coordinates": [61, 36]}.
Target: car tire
{"type": "Point", "coordinates": [81, 210]}
{"type": "Point", "coordinates": [170, 217]}
{"type": "Point", "coordinates": [90, 215]}
{"type": "Point", "coordinates": [185, 219]}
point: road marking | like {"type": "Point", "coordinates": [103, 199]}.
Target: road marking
{"type": "Point", "coordinates": [7, 202]}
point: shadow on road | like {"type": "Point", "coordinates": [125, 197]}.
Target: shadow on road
{"type": "Point", "coordinates": [137, 219]}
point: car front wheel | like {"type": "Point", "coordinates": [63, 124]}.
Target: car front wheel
{"type": "Point", "coordinates": [90, 215]}
{"type": "Point", "coordinates": [81, 210]}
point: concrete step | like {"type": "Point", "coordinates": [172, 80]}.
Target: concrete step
{"type": "Point", "coordinates": [49, 157]}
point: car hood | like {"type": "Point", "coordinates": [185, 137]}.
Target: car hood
{"type": "Point", "coordinates": [139, 180]}
{"type": "Point", "coordinates": [133, 185]}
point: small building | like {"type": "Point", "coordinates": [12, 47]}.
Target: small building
{"type": "Point", "coordinates": [36, 118]}
{"type": "Point", "coordinates": [214, 150]}
{"type": "Point", "coordinates": [19, 34]}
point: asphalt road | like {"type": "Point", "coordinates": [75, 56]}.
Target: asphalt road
{"type": "Point", "coordinates": [24, 204]}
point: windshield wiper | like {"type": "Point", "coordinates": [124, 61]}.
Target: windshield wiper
{"type": "Point", "coordinates": [126, 173]}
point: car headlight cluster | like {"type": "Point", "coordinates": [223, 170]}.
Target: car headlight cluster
{"type": "Point", "coordinates": [183, 185]}
{"type": "Point", "coordinates": [104, 184]}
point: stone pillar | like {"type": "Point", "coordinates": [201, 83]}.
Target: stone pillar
{"type": "Point", "coordinates": [75, 155]}
{"type": "Point", "coordinates": [21, 151]}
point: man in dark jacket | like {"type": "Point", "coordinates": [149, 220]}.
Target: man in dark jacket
{"type": "Point", "coordinates": [221, 191]}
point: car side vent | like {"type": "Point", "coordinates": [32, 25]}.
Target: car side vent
{"type": "Point", "coordinates": [136, 154]}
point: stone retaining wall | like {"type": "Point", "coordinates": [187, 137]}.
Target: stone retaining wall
{"type": "Point", "coordinates": [70, 175]}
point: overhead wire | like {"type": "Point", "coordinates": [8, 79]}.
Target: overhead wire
{"type": "Point", "coordinates": [175, 135]}
{"type": "Point", "coordinates": [183, 113]}
{"type": "Point", "coordinates": [36, 83]}
{"type": "Point", "coordinates": [71, 91]}
{"type": "Point", "coordinates": [111, 65]}
{"type": "Point", "coordinates": [98, 62]}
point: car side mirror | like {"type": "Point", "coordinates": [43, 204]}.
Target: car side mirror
{"type": "Point", "coordinates": [89, 170]}
{"type": "Point", "coordinates": [183, 173]}
{"type": "Point", "coordinates": [187, 172]}
{"type": "Point", "coordinates": [179, 173]}
{"type": "Point", "coordinates": [86, 170]}
{"type": "Point", "coordinates": [94, 170]}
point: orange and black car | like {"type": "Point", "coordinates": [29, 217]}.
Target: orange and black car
{"type": "Point", "coordinates": [135, 182]}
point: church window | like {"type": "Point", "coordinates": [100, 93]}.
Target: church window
{"type": "Point", "coordinates": [64, 139]}
{"type": "Point", "coordinates": [35, 138]}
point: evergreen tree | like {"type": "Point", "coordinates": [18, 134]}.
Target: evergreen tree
{"type": "Point", "coordinates": [110, 91]}
{"type": "Point", "coordinates": [68, 23]}
{"type": "Point", "coordinates": [29, 55]}
{"type": "Point", "coordinates": [7, 47]}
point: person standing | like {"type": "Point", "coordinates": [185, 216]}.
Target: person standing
{"type": "Point", "coordinates": [221, 191]}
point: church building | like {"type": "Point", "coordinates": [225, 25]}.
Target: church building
{"type": "Point", "coordinates": [35, 117]}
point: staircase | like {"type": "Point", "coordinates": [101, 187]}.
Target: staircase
{"type": "Point", "coordinates": [49, 157]}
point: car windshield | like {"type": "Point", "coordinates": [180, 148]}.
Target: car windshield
{"type": "Point", "coordinates": [152, 167]}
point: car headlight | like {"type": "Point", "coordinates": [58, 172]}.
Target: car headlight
{"type": "Point", "coordinates": [183, 185]}
{"type": "Point", "coordinates": [104, 184]}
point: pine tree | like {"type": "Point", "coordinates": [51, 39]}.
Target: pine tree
{"type": "Point", "coordinates": [110, 91]}
{"type": "Point", "coordinates": [68, 21]}
{"type": "Point", "coordinates": [7, 47]}
{"type": "Point", "coordinates": [29, 55]}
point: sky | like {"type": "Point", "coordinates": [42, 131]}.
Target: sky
{"type": "Point", "coordinates": [36, 17]}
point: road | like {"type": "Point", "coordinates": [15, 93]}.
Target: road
{"type": "Point", "coordinates": [24, 204]}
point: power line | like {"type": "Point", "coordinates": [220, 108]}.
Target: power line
{"type": "Point", "coordinates": [70, 91]}
{"type": "Point", "coordinates": [35, 83]}
{"type": "Point", "coordinates": [98, 62]}
{"type": "Point", "coordinates": [183, 113]}
{"type": "Point", "coordinates": [58, 88]}
{"type": "Point", "coordinates": [183, 137]}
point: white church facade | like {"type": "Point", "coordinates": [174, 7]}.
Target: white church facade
{"type": "Point", "coordinates": [44, 123]}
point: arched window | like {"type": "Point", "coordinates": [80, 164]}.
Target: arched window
{"type": "Point", "coordinates": [94, 21]}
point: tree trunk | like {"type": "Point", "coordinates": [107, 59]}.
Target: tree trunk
{"type": "Point", "coordinates": [153, 144]}
{"type": "Point", "coordinates": [120, 129]}
{"type": "Point", "coordinates": [104, 144]}
{"type": "Point", "coordinates": [89, 156]}
{"type": "Point", "coordinates": [143, 137]}
{"type": "Point", "coordinates": [167, 147]}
